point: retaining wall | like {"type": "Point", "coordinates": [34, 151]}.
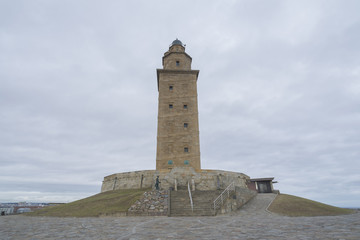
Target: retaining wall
{"type": "Point", "coordinates": [201, 179]}
{"type": "Point", "coordinates": [240, 198]}
{"type": "Point", "coordinates": [153, 203]}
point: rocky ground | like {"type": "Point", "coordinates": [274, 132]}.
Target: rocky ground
{"type": "Point", "coordinates": [153, 203]}
{"type": "Point", "coordinates": [252, 222]}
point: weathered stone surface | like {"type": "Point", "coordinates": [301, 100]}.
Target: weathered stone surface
{"type": "Point", "coordinates": [178, 126]}
{"type": "Point", "coordinates": [128, 180]}
{"type": "Point", "coordinates": [253, 223]}
{"type": "Point", "coordinates": [152, 203]}
{"type": "Point", "coordinates": [237, 200]}
{"type": "Point", "coordinates": [203, 179]}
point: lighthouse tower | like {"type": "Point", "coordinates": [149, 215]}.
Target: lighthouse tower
{"type": "Point", "coordinates": [178, 151]}
{"type": "Point", "coordinates": [178, 125]}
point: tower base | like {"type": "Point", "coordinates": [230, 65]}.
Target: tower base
{"type": "Point", "coordinates": [178, 177]}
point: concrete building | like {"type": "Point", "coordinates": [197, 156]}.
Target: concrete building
{"type": "Point", "coordinates": [178, 125]}
{"type": "Point", "coordinates": [261, 185]}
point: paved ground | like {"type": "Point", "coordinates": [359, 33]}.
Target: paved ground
{"type": "Point", "coordinates": [252, 222]}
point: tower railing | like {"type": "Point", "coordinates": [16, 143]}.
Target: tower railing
{"type": "Point", "coordinates": [219, 201]}
{"type": "Point", "coordinates": [191, 201]}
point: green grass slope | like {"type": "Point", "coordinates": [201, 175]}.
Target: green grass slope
{"type": "Point", "coordinates": [102, 204]}
{"type": "Point", "coordinates": [293, 206]}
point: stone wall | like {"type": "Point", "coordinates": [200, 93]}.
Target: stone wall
{"type": "Point", "coordinates": [237, 200]}
{"type": "Point", "coordinates": [243, 195]}
{"type": "Point", "coordinates": [128, 180]}
{"type": "Point", "coordinates": [153, 203]}
{"type": "Point", "coordinates": [201, 180]}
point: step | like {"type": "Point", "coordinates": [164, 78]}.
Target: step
{"type": "Point", "coordinates": [189, 207]}
{"type": "Point", "coordinates": [202, 200]}
{"type": "Point", "coordinates": [192, 214]}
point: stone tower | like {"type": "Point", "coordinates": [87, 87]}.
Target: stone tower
{"type": "Point", "coordinates": [178, 125]}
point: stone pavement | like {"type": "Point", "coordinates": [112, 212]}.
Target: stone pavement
{"type": "Point", "coordinates": [252, 222]}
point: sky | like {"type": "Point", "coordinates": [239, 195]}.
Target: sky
{"type": "Point", "coordinates": [278, 92]}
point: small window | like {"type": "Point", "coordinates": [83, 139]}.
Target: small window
{"type": "Point", "coordinates": [171, 88]}
{"type": "Point", "coordinates": [185, 106]}
{"type": "Point", "coordinates": [171, 106]}
{"type": "Point", "coordinates": [170, 162]}
{"type": "Point", "coordinates": [186, 149]}
{"type": "Point", "coordinates": [185, 125]}
{"type": "Point", "coordinates": [186, 162]}
{"type": "Point", "coordinates": [177, 63]}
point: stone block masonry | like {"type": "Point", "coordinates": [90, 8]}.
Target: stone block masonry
{"type": "Point", "coordinates": [202, 180]}
{"type": "Point", "coordinates": [240, 198]}
{"type": "Point", "coordinates": [128, 180]}
{"type": "Point", "coordinates": [153, 203]}
{"type": "Point", "coordinates": [178, 124]}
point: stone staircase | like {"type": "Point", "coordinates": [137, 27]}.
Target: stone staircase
{"type": "Point", "coordinates": [203, 200]}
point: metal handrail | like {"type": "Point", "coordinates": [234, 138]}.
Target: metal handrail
{"type": "Point", "coordinates": [191, 201]}
{"type": "Point", "coordinates": [220, 198]}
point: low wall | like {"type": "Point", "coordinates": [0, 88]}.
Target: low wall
{"type": "Point", "coordinates": [153, 203]}
{"type": "Point", "coordinates": [202, 180]}
{"type": "Point", "coordinates": [240, 198]}
{"type": "Point", "coordinates": [128, 180]}
{"type": "Point", "coordinates": [243, 195]}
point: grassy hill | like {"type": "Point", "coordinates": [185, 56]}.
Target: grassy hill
{"type": "Point", "coordinates": [293, 206]}
{"type": "Point", "coordinates": [108, 203]}
{"type": "Point", "coordinates": [117, 202]}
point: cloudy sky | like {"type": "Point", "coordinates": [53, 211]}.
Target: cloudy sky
{"type": "Point", "coordinates": [278, 92]}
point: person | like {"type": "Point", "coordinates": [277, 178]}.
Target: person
{"type": "Point", "coordinates": [157, 183]}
